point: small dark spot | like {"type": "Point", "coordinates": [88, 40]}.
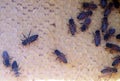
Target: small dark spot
{"type": "Point", "coordinates": [45, 8]}
{"type": "Point", "coordinates": [51, 10]}
{"type": "Point", "coordinates": [13, 19]}
{"type": "Point", "coordinates": [24, 13]}
{"type": "Point", "coordinates": [19, 4]}
{"type": "Point", "coordinates": [30, 10]}
{"type": "Point", "coordinates": [53, 24]}
{"type": "Point", "coordinates": [51, 4]}
{"type": "Point", "coordinates": [57, 8]}
{"type": "Point", "coordinates": [13, 0]}
{"type": "Point", "coordinates": [6, 3]}
{"type": "Point", "coordinates": [24, 7]}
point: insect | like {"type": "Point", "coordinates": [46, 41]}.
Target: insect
{"type": "Point", "coordinates": [83, 14]}
{"type": "Point", "coordinates": [6, 59]}
{"type": "Point", "coordinates": [29, 39]}
{"type": "Point", "coordinates": [87, 21]}
{"type": "Point", "coordinates": [104, 24]}
{"type": "Point", "coordinates": [103, 3]}
{"type": "Point", "coordinates": [116, 61]}
{"type": "Point", "coordinates": [60, 56]}
{"type": "Point", "coordinates": [108, 9]}
{"type": "Point", "coordinates": [89, 13]}
{"type": "Point", "coordinates": [109, 33]}
{"type": "Point", "coordinates": [85, 5]}
{"type": "Point", "coordinates": [108, 70]}
{"type": "Point", "coordinates": [90, 5]}
{"type": "Point", "coordinates": [118, 36]}
{"type": "Point", "coordinates": [113, 46]}
{"type": "Point", "coordinates": [72, 26]}
{"type": "Point", "coordinates": [15, 68]}
{"type": "Point", "coordinates": [116, 3]}
{"type": "Point", "coordinates": [83, 27]}
{"type": "Point", "coordinates": [97, 37]}
{"type": "Point", "coordinates": [85, 24]}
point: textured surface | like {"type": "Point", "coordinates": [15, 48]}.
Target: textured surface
{"type": "Point", "coordinates": [49, 19]}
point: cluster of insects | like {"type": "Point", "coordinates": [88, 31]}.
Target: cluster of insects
{"type": "Point", "coordinates": [14, 65]}
{"type": "Point", "coordinates": [83, 15]}
{"type": "Point", "coordinates": [6, 62]}
{"type": "Point", "coordinates": [104, 30]}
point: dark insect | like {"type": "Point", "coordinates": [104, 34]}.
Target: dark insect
{"type": "Point", "coordinates": [108, 9]}
{"type": "Point", "coordinates": [116, 3]}
{"type": "Point", "coordinates": [104, 24]}
{"type": "Point", "coordinates": [110, 5]}
{"type": "Point", "coordinates": [29, 39]}
{"type": "Point", "coordinates": [107, 12]}
{"type": "Point", "coordinates": [103, 3]}
{"type": "Point", "coordinates": [85, 5]}
{"type": "Point", "coordinates": [109, 33]}
{"type": "Point", "coordinates": [15, 68]}
{"type": "Point", "coordinates": [97, 37]}
{"type": "Point", "coordinates": [83, 14]}
{"type": "Point", "coordinates": [108, 70]}
{"type": "Point", "coordinates": [113, 46]}
{"type": "Point", "coordinates": [85, 24]}
{"type": "Point", "coordinates": [89, 13]}
{"type": "Point", "coordinates": [116, 61]}
{"type": "Point", "coordinates": [72, 26]}
{"type": "Point", "coordinates": [90, 5]}
{"type": "Point", "coordinates": [118, 36]}
{"type": "Point", "coordinates": [84, 28]}
{"type": "Point", "coordinates": [6, 59]}
{"type": "Point", "coordinates": [87, 21]}
{"type": "Point", "coordinates": [60, 56]}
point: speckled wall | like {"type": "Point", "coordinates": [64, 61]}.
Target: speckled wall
{"type": "Point", "coordinates": [49, 19]}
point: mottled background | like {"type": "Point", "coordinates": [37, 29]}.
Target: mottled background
{"type": "Point", "coordinates": [49, 19]}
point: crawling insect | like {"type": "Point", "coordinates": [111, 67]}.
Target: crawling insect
{"type": "Point", "coordinates": [116, 61]}
{"type": "Point", "coordinates": [15, 68]}
{"type": "Point", "coordinates": [89, 6]}
{"type": "Point", "coordinates": [97, 37]}
{"type": "Point", "coordinates": [84, 27]}
{"type": "Point", "coordinates": [108, 70]}
{"type": "Point", "coordinates": [72, 26]}
{"type": "Point", "coordinates": [109, 33]}
{"type": "Point", "coordinates": [60, 56]}
{"type": "Point", "coordinates": [118, 36]}
{"type": "Point", "coordinates": [82, 15]}
{"type": "Point", "coordinates": [6, 59]}
{"type": "Point", "coordinates": [103, 3]}
{"type": "Point", "coordinates": [113, 46]}
{"type": "Point", "coordinates": [116, 3]}
{"type": "Point", "coordinates": [29, 39]}
{"type": "Point", "coordinates": [108, 9]}
{"type": "Point", "coordinates": [104, 24]}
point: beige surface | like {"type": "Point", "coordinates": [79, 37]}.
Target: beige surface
{"type": "Point", "coordinates": [36, 60]}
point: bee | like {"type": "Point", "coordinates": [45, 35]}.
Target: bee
{"type": "Point", "coordinates": [60, 56]}
{"type": "Point", "coordinates": [6, 59]}
{"type": "Point", "coordinates": [15, 68]}
{"type": "Point", "coordinates": [72, 26]}
{"type": "Point", "coordinates": [29, 39]}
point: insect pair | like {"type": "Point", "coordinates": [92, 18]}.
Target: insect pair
{"type": "Point", "coordinates": [6, 62]}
